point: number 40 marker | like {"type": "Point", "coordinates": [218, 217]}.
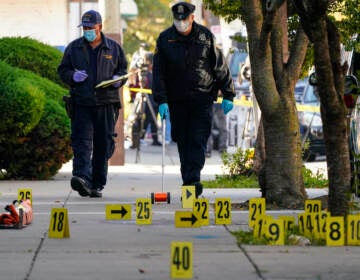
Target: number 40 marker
{"type": "Point", "coordinates": [181, 260]}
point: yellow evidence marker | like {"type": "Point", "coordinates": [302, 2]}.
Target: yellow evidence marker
{"type": "Point", "coordinates": [323, 216]}
{"type": "Point", "coordinates": [59, 223]}
{"type": "Point", "coordinates": [353, 229]}
{"type": "Point", "coordinates": [312, 206]}
{"type": "Point", "coordinates": [257, 209]}
{"type": "Point", "coordinates": [187, 196]}
{"type": "Point", "coordinates": [275, 231]}
{"type": "Point", "coordinates": [181, 260]}
{"type": "Point", "coordinates": [24, 194]}
{"type": "Point", "coordinates": [222, 211]}
{"type": "Point", "coordinates": [118, 211]}
{"type": "Point", "coordinates": [143, 211]}
{"type": "Point", "coordinates": [305, 222]}
{"type": "Point", "coordinates": [259, 227]}
{"type": "Point", "coordinates": [186, 219]}
{"type": "Point", "coordinates": [289, 222]}
{"type": "Point", "coordinates": [201, 211]}
{"type": "Point", "coordinates": [335, 233]}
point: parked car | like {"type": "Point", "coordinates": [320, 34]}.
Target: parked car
{"type": "Point", "coordinates": [352, 102]}
{"type": "Point", "coordinates": [310, 122]}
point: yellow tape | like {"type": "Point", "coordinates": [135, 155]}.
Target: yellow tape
{"type": "Point", "coordinates": [307, 108]}
{"type": "Point", "coordinates": [240, 102]}
{"type": "Point", "coordinates": [247, 103]}
{"type": "Point", "coordinates": [143, 90]}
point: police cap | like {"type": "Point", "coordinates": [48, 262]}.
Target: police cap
{"type": "Point", "coordinates": [182, 10]}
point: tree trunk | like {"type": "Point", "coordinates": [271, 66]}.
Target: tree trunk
{"type": "Point", "coordinates": [284, 181]}
{"type": "Point", "coordinates": [259, 158]}
{"type": "Point", "coordinates": [334, 123]}
{"type": "Point", "coordinates": [330, 86]}
{"type": "Point", "coordinates": [273, 82]}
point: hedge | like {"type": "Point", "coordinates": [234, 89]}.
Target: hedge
{"type": "Point", "coordinates": [41, 153]}
{"type": "Point", "coordinates": [35, 130]}
{"type": "Point", "coordinates": [21, 103]}
{"type": "Point", "coordinates": [32, 55]}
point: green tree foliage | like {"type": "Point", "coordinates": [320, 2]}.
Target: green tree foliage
{"type": "Point", "coordinates": [345, 13]}
{"type": "Point", "coordinates": [154, 16]}
{"type": "Point", "coordinates": [347, 19]}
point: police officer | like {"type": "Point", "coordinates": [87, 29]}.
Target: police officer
{"type": "Point", "coordinates": [188, 71]}
{"type": "Point", "coordinates": [88, 61]}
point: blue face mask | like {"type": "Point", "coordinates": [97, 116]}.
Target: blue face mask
{"type": "Point", "coordinates": [90, 35]}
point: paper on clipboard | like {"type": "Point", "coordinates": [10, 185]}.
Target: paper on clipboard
{"type": "Point", "coordinates": [107, 83]}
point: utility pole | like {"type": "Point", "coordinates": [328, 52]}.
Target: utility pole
{"type": "Point", "coordinates": [80, 15]}
{"type": "Point", "coordinates": [112, 29]}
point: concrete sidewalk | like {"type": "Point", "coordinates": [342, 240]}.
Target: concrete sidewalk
{"type": "Point", "coordinates": [120, 249]}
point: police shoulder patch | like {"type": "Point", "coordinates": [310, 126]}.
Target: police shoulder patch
{"type": "Point", "coordinates": [202, 37]}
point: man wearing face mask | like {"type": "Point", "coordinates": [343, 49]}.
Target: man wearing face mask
{"type": "Point", "coordinates": [87, 61]}
{"type": "Point", "coordinates": [188, 71]}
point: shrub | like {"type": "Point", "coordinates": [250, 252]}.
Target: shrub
{"type": "Point", "coordinates": [32, 55]}
{"type": "Point", "coordinates": [35, 133]}
{"type": "Point", "coordinates": [239, 163]}
{"type": "Point", "coordinates": [21, 104]}
{"type": "Point", "coordinates": [41, 153]}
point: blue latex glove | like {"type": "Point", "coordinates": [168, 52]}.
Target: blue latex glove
{"type": "Point", "coordinates": [117, 84]}
{"type": "Point", "coordinates": [164, 110]}
{"type": "Point", "coordinates": [227, 106]}
{"type": "Point", "coordinates": [79, 76]}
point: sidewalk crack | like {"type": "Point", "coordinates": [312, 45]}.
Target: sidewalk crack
{"type": "Point", "coordinates": [255, 266]}
{"type": "Point", "coordinates": [38, 249]}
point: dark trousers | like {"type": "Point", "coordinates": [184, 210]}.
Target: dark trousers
{"type": "Point", "coordinates": [149, 119]}
{"type": "Point", "coordinates": [218, 130]}
{"type": "Point", "coordinates": [190, 129]}
{"type": "Point", "coordinates": [92, 141]}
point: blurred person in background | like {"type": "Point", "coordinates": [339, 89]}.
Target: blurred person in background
{"type": "Point", "coordinates": [219, 133]}
{"type": "Point", "coordinates": [142, 62]}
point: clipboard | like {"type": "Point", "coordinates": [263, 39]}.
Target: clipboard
{"type": "Point", "coordinates": [107, 83]}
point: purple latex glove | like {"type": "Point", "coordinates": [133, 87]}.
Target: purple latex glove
{"type": "Point", "coordinates": [79, 76]}
{"type": "Point", "coordinates": [117, 84]}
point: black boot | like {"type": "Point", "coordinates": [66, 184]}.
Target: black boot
{"type": "Point", "coordinates": [80, 185]}
{"type": "Point", "coordinates": [198, 189]}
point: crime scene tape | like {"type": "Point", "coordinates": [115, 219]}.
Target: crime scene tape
{"type": "Point", "coordinates": [240, 102]}
{"type": "Point", "coordinates": [143, 90]}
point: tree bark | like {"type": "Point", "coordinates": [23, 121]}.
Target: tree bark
{"type": "Point", "coordinates": [330, 86]}
{"type": "Point", "coordinates": [273, 80]}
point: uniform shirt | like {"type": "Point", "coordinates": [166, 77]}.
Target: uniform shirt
{"type": "Point", "coordinates": [110, 61]}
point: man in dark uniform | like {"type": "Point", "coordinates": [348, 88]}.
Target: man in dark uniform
{"type": "Point", "coordinates": [188, 71]}
{"type": "Point", "coordinates": [88, 61]}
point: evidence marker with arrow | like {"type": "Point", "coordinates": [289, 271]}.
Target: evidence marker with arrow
{"type": "Point", "coordinates": [118, 211]}
{"type": "Point", "coordinates": [187, 196]}
{"type": "Point", "coordinates": [186, 219]}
